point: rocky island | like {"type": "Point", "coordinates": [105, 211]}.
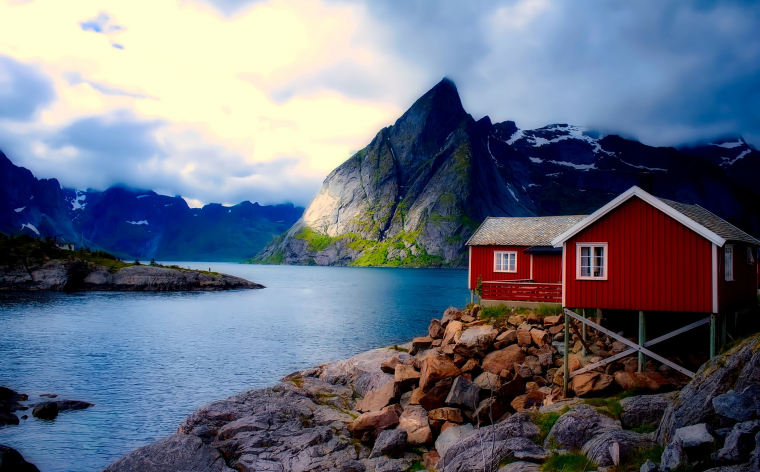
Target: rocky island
{"type": "Point", "coordinates": [479, 394]}
{"type": "Point", "coordinates": [27, 263]}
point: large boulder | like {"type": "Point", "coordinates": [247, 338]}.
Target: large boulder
{"type": "Point", "coordinates": [450, 436]}
{"type": "Point", "coordinates": [12, 461]}
{"type": "Point", "coordinates": [735, 370]}
{"type": "Point", "coordinates": [599, 448]}
{"type": "Point", "coordinates": [177, 452]}
{"type": "Point", "coordinates": [475, 341]}
{"type": "Point", "coordinates": [694, 436]}
{"type": "Point", "coordinates": [452, 329]}
{"type": "Point", "coordinates": [390, 442]}
{"type": "Point", "coordinates": [45, 410]}
{"type": "Point", "coordinates": [436, 368]}
{"type": "Point", "coordinates": [503, 359]}
{"type": "Point", "coordinates": [742, 406]}
{"type": "Point", "coordinates": [576, 427]}
{"type": "Point", "coordinates": [463, 393]}
{"type": "Point", "coordinates": [451, 314]}
{"type": "Point", "coordinates": [405, 376]}
{"type": "Point", "coordinates": [739, 443]}
{"type": "Point", "coordinates": [540, 337]}
{"type": "Point", "coordinates": [420, 344]}
{"type": "Point", "coordinates": [436, 329]}
{"type": "Point", "coordinates": [644, 410]}
{"type": "Point", "coordinates": [488, 381]}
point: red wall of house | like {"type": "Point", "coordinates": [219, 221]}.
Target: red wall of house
{"type": "Point", "coordinates": [742, 291]}
{"type": "Point", "coordinates": [482, 264]}
{"type": "Point", "coordinates": [654, 263]}
{"type": "Point", "coordinates": [547, 268]}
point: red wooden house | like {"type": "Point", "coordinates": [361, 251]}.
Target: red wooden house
{"type": "Point", "coordinates": [644, 253]}
{"type": "Point", "coordinates": [512, 260]}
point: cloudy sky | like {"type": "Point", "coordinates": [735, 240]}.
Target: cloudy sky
{"type": "Point", "coordinates": [229, 100]}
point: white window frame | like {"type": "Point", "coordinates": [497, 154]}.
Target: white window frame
{"type": "Point", "coordinates": [728, 262]}
{"type": "Point", "coordinates": [605, 262]}
{"type": "Point", "coordinates": [751, 256]}
{"type": "Point", "coordinates": [498, 254]}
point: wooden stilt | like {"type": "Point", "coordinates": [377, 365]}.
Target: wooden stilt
{"type": "Point", "coordinates": [642, 339]}
{"type": "Point", "coordinates": [566, 383]}
{"type": "Point", "coordinates": [599, 316]}
{"type": "Point", "coordinates": [713, 317]}
{"type": "Point", "coordinates": [472, 296]}
{"type": "Point", "coordinates": [583, 335]}
{"type": "Point", "coordinates": [723, 330]}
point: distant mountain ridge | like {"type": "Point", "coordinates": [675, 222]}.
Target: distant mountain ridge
{"type": "Point", "coordinates": [416, 193]}
{"type": "Point", "coordinates": [136, 223]}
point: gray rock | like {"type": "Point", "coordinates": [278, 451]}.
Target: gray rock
{"type": "Point", "coordinates": [742, 406]}
{"type": "Point", "coordinates": [733, 468]}
{"type": "Point", "coordinates": [649, 466]}
{"type": "Point", "coordinates": [352, 466]}
{"type": "Point", "coordinates": [488, 454]}
{"type": "Point", "coordinates": [12, 461]}
{"type": "Point", "coordinates": [576, 427]}
{"type": "Point", "coordinates": [739, 443]}
{"type": "Point", "coordinates": [176, 452]}
{"type": "Point", "coordinates": [644, 410]}
{"type": "Point", "coordinates": [45, 410]}
{"type": "Point", "coordinates": [450, 436]}
{"type": "Point", "coordinates": [736, 369]}
{"type": "Point", "coordinates": [475, 341]}
{"type": "Point", "coordinates": [673, 457]}
{"type": "Point", "coordinates": [694, 436]}
{"type": "Point", "coordinates": [598, 448]}
{"type": "Point", "coordinates": [389, 443]}
{"type": "Point", "coordinates": [387, 464]}
{"type": "Point", "coordinates": [463, 393]}
{"type": "Point", "coordinates": [521, 466]}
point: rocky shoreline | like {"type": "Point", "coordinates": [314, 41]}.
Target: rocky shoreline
{"type": "Point", "coordinates": [469, 397]}
{"type": "Point", "coordinates": [78, 275]}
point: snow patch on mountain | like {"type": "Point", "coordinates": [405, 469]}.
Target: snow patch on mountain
{"type": "Point", "coordinates": [143, 196]}
{"type": "Point", "coordinates": [729, 145]}
{"type": "Point", "coordinates": [76, 201]}
{"type": "Point", "coordinates": [141, 222]}
{"type": "Point", "coordinates": [515, 137]}
{"type": "Point", "coordinates": [642, 167]}
{"type": "Point", "coordinates": [30, 226]}
{"type": "Point", "coordinates": [19, 210]}
{"type": "Point", "coordinates": [728, 161]}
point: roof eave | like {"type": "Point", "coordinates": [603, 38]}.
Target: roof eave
{"type": "Point", "coordinates": [655, 202]}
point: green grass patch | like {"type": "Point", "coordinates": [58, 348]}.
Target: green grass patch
{"type": "Point", "coordinates": [545, 422]}
{"type": "Point", "coordinates": [297, 381]}
{"type": "Point", "coordinates": [415, 466]}
{"type": "Point", "coordinates": [547, 310]}
{"type": "Point", "coordinates": [644, 429]}
{"type": "Point", "coordinates": [398, 348]}
{"type": "Point", "coordinates": [607, 406]}
{"type": "Point", "coordinates": [493, 313]}
{"type": "Point", "coordinates": [570, 462]}
{"type": "Point", "coordinates": [317, 241]}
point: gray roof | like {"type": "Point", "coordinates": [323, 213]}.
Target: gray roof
{"type": "Point", "coordinates": [522, 231]}
{"type": "Point", "coordinates": [714, 223]}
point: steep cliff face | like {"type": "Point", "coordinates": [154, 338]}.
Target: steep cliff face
{"type": "Point", "coordinates": [415, 194]}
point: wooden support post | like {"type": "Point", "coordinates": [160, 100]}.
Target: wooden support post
{"type": "Point", "coordinates": [599, 316]}
{"type": "Point", "coordinates": [472, 296]}
{"type": "Point", "coordinates": [583, 336]}
{"type": "Point", "coordinates": [566, 382]}
{"type": "Point", "coordinates": [642, 339]}
{"type": "Point", "coordinates": [713, 317]}
{"type": "Point", "coordinates": [723, 330]}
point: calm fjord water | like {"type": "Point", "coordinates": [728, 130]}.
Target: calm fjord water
{"type": "Point", "coordinates": [148, 360]}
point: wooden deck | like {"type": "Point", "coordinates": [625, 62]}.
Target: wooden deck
{"type": "Point", "coordinates": [522, 291]}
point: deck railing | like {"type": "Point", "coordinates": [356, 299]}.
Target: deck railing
{"type": "Point", "coordinates": [522, 291]}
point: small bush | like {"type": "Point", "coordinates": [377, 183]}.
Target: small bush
{"type": "Point", "coordinates": [644, 429]}
{"type": "Point", "coordinates": [570, 462]}
{"type": "Point", "coordinates": [545, 422]}
{"type": "Point", "coordinates": [495, 312]}
{"type": "Point", "coordinates": [415, 466]}
{"type": "Point", "coordinates": [607, 406]}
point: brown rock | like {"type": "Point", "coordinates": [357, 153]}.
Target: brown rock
{"type": "Point", "coordinates": [451, 314]}
{"type": "Point", "coordinates": [641, 380]}
{"type": "Point", "coordinates": [448, 349]}
{"type": "Point", "coordinates": [630, 364]}
{"type": "Point", "coordinates": [406, 377]}
{"type": "Point", "coordinates": [512, 388]}
{"type": "Point", "coordinates": [550, 321]}
{"type": "Point", "coordinates": [453, 415]}
{"type": "Point", "coordinates": [518, 404]}
{"type": "Point", "coordinates": [531, 386]}
{"type": "Point", "coordinates": [490, 410]}
{"type": "Point", "coordinates": [451, 329]}
{"type": "Point", "coordinates": [447, 425]}
{"type": "Point", "coordinates": [575, 364]}
{"type": "Point", "coordinates": [467, 319]}
{"type": "Point", "coordinates": [430, 459]}
{"type": "Point", "coordinates": [524, 338]}
{"type": "Point", "coordinates": [421, 344]}
{"type": "Point", "coordinates": [436, 329]}
{"type": "Point", "coordinates": [516, 320]}
{"type": "Point", "coordinates": [533, 364]}
{"type": "Point", "coordinates": [368, 425]}
{"type": "Point", "coordinates": [475, 341]}
{"type": "Point", "coordinates": [389, 367]}
{"type": "Point", "coordinates": [435, 369]}
{"type": "Point", "coordinates": [506, 358]}
{"type": "Point", "coordinates": [533, 398]}
{"type": "Point", "coordinates": [414, 421]}
{"type": "Point", "coordinates": [416, 395]}
{"type": "Point", "coordinates": [437, 343]}
{"type": "Point", "coordinates": [376, 400]}
{"type": "Point", "coordinates": [545, 356]}
{"type": "Point", "coordinates": [559, 377]}
{"type": "Point", "coordinates": [533, 319]}
{"type": "Point", "coordinates": [523, 371]}
{"type": "Point", "coordinates": [488, 381]}
{"type": "Point", "coordinates": [436, 396]}
{"type": "Point", "coordinates": [557, 329]}
{"type": "Point", "coordinates": [590, 382]}
{"type": "Point", "coordinates": [540, 337]}
{"type": "Point", "coordinates": [472, 366]}
{"type": "Point", "coordinates": [475, 311]}
{"type": "Point", "coordinates": [509, 336]}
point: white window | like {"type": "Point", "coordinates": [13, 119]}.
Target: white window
{"type": "Point", "coordinates": [592, 261]}
{"type": "Point", "coordinates": [505, 261]}
{"type": "Point", "coordinates": [729, 260]}
{"type": "Point", "coordinates": [750, 256]}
